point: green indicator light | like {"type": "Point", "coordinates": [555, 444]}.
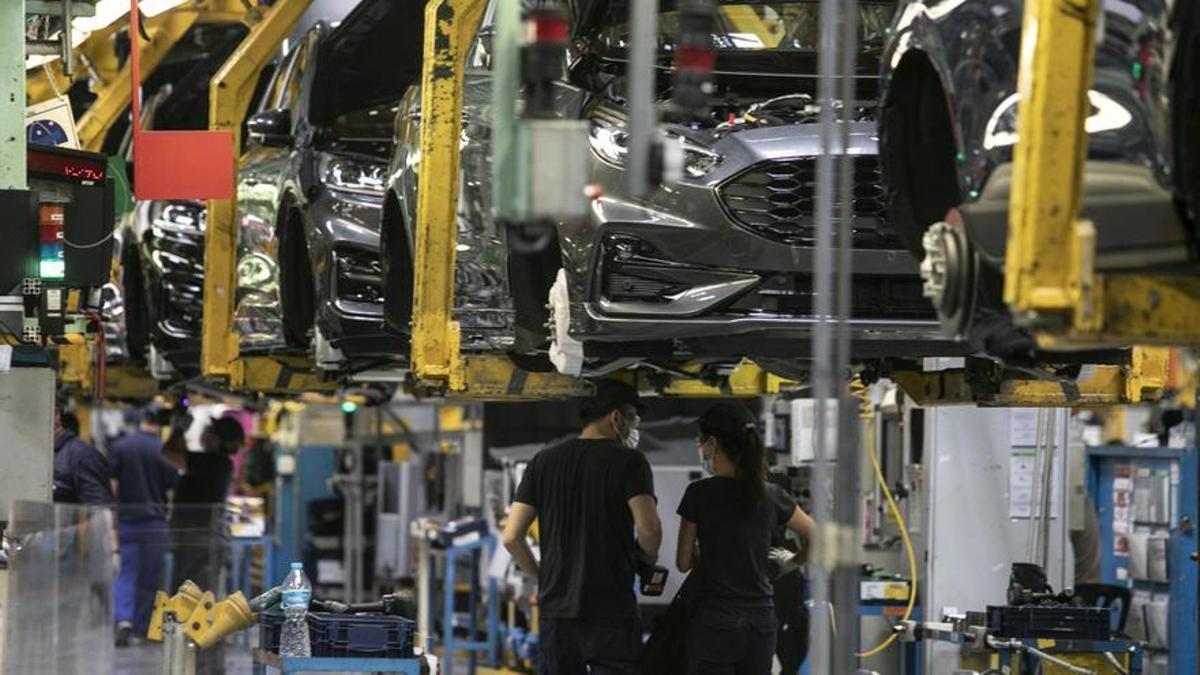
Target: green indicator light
{"type": "Point", "coordinates": [349, 406]}
{"type": "Point", "coordinates": [52, 269]}
{"type": "Point", "coordinates": [960, 157]}
{"type": "Point", "coordinates": [1137, 70]}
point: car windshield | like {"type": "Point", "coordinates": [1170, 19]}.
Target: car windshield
{"type": "Point", "coordinates": [760, 26]}
{"type": "Point", "coordinates": [373, 123]}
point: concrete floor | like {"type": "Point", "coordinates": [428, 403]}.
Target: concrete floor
{"type": "Point", "coordinates": [146, 659]}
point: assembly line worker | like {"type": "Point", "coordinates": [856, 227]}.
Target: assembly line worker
{"type": "Point", "coordinates": [593, 497]}
{"type": "Point", "coordinates": [733, 514]}
{"type": "Point", "coordinates": [81, 472]}
{"type": "Point", "coordinates": [142, 481]}
{"type": "Point", "coordinates": [81, 476]}
{"type": "Point", "coordinates": [198, 529]}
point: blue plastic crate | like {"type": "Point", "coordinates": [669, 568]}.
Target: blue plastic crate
{"type": "Point", "coordinates": [340, 635]}
{"type": "Point", "coordinates": [270, 627]}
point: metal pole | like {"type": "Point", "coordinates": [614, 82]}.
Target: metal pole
{"type": "Point", "coordinates": [507, 186]}
{"type": "Point", "coordinates": [12, 93]}
{"type": "Point", "coordinates": [848, 492]}
{"type": "Point", "coordinates": [68, 52]}
{"type": "Point", "coordinates": [352, 525]}
{"type": "Point", "coordinates": [643, 118]}
{"type": "Point", "coordinates": [424, 586]}
{"type": "Point", "coordinates": [1031, 537]}
{"type": "Point", "coordinates": [819, 653]}
{"type": "Point", "coordinates": [1047, 490]}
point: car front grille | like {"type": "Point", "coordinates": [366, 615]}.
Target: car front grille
{"type": "Point", "coordinates": [871, 297]}
{"type": "Point", "coordinates": [179, 254]}
{"type": "Point", "coordinates": [777, 200]}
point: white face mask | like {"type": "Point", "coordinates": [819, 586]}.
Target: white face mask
{"type": "Point", "coordinates": [706, 461]}
{"type": "Point", "coordinates": [632, 437]}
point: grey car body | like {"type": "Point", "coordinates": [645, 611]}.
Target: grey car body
{"type": "Point", "coordinates": [310, 189]}
{"type": "Point", "coordinates": [717, 264]}
{"type": "Point", "coordinates": [948, 126]}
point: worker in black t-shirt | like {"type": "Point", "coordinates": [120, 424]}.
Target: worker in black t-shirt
{"type": "Point", "coordinates": [198, 528]}
{"type": "Point", "coordinates": [732, 514]}
{"type": "Point", "coordinates": [593, 497]}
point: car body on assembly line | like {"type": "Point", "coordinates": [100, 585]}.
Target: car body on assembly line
{"type": "Point", "coordinates": [311, 186]}
{"type": "Point", "coordinates": [948, 128]}
{"type": "Point", "coordinates": [154, 307]}
{"type": "Point", "coordinates": [714, 265]}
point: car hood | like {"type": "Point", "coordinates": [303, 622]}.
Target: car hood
{"type": "Point", "coordinates": [742, 146]}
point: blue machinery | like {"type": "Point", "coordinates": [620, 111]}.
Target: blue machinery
{"type": "Point", "coordinates": [1150, 494]}
{"type": "Point", "coordinates": [457, 543]}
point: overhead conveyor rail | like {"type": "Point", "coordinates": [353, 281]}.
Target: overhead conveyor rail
{"type": "Point", "coordinates": [96, 59]}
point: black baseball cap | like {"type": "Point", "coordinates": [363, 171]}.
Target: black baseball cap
{"type": "Point", "coordinates": [610, 395]}
{"type": "Point", "coordinates": [728, 419]}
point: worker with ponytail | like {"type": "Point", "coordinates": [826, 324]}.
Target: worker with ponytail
{"type": "Point", "coordinates": [730, 517]}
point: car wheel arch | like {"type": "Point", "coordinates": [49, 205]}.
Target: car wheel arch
{"type": "Point", "coordinates": [296, 294]}
{"type": "Point", "coordinates": [395, 247]}
{"type": "Point", "coordinates": [918, 147]}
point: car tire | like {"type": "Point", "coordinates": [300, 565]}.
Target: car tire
{"type": "Point", "coordinates": [918, 150]}
{"type": "Point", "coordinates": [1185, 105]}
{"type": "Point", "coordinates": [297, 288]}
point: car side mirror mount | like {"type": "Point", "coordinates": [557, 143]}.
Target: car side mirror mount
{"type": "Point", "coordinates": [271, 128]}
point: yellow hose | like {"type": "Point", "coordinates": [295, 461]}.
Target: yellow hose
{"type": "Point", "coordinates": [860, 390]}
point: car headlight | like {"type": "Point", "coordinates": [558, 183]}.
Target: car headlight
{"type": "Point", "coordinates": [697, 161]}
{"type": "Point", "coordinates": [610, 141]}
{"type": "Point", "coordinates": [359, 176]}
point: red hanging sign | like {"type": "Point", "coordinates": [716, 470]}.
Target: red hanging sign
{"type": "Point", "coordinates": [175, 164]}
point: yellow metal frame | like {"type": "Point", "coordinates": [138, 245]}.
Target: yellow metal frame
{"type": "Point", "coordinates": [449, 26]}
{"type": "Point", "coordinates": [277, 375]}
{"type": "Point", "coordinates": [1143, 379]}
{"type": "Point", "coordinates": [95, 58]}
{"type": "Point", "coordinates": [229, 98]}
{"type": "Point", "coordinates": [1050, 282]}
{"type": "Point", "coordinates": [165, 31]}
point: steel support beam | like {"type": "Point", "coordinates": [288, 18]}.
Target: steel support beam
{"type": "Point", "coordinates": [1050, 284]}
{"type": "Point", "coordinates": [1143, 379]}
{"type": "Point", "coordinates": [12, 94]}
{"type": "Point", "coordinates": [229, 98]}
{"type": "Point", "coordinates": [165, 31]}
{"type": "Point", "coordinates": [277, 375]}
{"type": "Point", "coordinates": [449, 25]}
{"type": "Point", "coordinates": [1045, 273]}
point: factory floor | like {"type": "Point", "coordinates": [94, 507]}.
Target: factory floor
{"type": "Point", "coordinates": [146, 659]}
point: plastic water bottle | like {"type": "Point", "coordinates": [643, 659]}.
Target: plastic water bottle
{"type": "Point", "coordinates": [297, 592]}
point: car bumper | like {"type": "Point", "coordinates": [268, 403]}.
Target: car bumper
{"type": "Point", "coordinates": [652, 275]}
{"type": "Point", "coordinates": [350, 275]}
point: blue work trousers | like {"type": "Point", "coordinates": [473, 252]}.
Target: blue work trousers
{"type": "Point", "coordinates": [143, 545]}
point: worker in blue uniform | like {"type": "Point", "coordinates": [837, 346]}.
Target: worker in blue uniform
{"type": "Point", "coordinates": [81, 472]}
{"type": "Point", "coordinates": [142, 481]}
{"type": "Point", "coordinates": [81, 477]}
